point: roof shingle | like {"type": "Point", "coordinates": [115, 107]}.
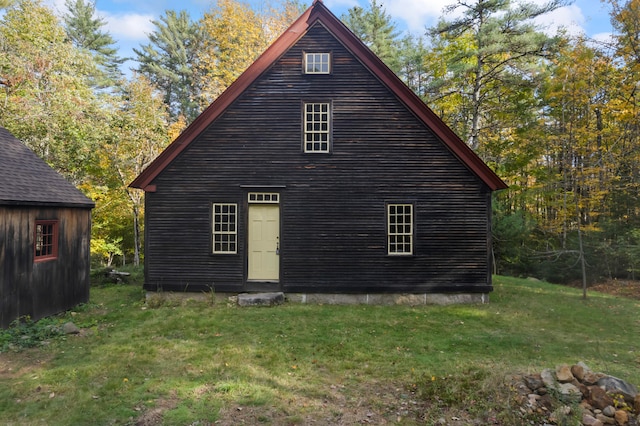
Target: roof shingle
{"type": "Point", "coordinates": [25, 179]}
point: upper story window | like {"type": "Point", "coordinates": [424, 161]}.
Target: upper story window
{"type": "Point", "coordinates": [316, 127]}
{"type": "Point", "coordinates": [317, 63]}
{"type": "Point", "coordinates": [400, 229]}
{"type": "Point", "coordinates": [46, 240]}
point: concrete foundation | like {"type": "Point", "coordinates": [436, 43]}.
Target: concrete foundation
{"type": "Point", "coordinates": [389, 299]}
{"type": "Point", "coordinates": [335, 298]}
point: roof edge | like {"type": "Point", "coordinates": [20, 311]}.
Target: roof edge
{"type": "Point", "coordinates": [413, 102]}
{"type": "Point", "coordinates": [219, 105]}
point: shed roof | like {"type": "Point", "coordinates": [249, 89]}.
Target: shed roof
{"type": "Point", "coordinates": [318, 12]}
{"type": "Point", "coordinates": [25, 179]}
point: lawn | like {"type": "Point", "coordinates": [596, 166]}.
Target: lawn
{"type": "Point", "coordinates": [199, 362]}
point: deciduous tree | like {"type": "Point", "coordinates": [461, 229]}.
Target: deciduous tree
{"type": "Point", "coordinates": [139, 132]}
{"type": "Point", "coordinates": [46, 99]}
{"type": "Point", "coordinates": [233, 38]}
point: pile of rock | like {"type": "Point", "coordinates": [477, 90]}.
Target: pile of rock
{"type": "Point", "coordinates": [576, 392]}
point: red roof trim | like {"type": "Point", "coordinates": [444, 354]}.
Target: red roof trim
{"type": "Point", "coordinates": [319, 12]}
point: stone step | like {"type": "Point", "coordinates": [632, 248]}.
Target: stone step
{"type": "Point", "coordinates": [261, 299]}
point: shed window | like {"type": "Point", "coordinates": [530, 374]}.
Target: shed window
{"type": "Point", "coordinates": [316, 127]}
{"type": "Point", "coordinates": [225, 228]}
{"type": "Point", "coordinates": [400, 229]}
{"type": "Point", "coordinates": [46, 240]}
{"type": "Point", "coordinates": [317, 63]}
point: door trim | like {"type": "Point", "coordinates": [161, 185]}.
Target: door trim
{"type": "Point", "coordinates": [270, 201]}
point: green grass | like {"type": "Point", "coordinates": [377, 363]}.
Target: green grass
{"type": "Point", "coordinates": [197, 361]}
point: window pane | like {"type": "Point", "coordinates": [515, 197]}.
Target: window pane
{"type": "Point", "coordinates": [400, 228]}
{"type": "Point", "coordinates": [317, 63]}
{"type": "Point", "coordinates": [224, 228]}
{"type": "Point", "coordinates": [316, 125]}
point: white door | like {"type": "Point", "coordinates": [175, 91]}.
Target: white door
{"type": "Point", "coordinates": [264, 241]}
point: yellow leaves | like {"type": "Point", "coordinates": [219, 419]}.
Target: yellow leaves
{"type": "Point", "coordinates": [176, 128]}
{"type": "Point", "coordinates": [235, 35]}
{"type": "Point", "coordinates": [233, 39]}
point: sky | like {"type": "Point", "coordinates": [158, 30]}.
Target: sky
{"type": "Point", "coordinates": [129, 21]}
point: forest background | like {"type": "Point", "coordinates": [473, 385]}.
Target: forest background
{"type": "Point", "coordinates": [556, 116]}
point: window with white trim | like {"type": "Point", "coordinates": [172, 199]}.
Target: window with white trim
{"type": "Point", "coordinates": [264, 197]}
{"type": "Point", "coordinates": [225, 228]}
{"type": "Point", "coordinates": [400, 229]}
{"type": "Point", "coordinates": [316, 127]}
{"type": "Point", "coordinates": [317, 63]}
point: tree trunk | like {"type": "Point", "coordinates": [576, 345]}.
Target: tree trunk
{"type": "Point", "coordinates": [136, 236]}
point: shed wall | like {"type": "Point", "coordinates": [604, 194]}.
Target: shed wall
{"type": "Point", "coordinates": [48, 287]}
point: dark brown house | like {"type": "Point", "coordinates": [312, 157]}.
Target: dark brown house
{"type": "Point", "coordinates": [318, 172]}
{"type": "Point", "coordinates": [45, 230]}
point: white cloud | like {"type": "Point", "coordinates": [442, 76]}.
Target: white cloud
{"type": "Point", "coordinates": [604, 38]}
{"type": "Point", "coordinates": [417, 14]}
{"type": "Point", "coordinates": [569, 17]}
{"type": "Point", "coordinates": [128, 26]}
{"type": "Point", "coordinates": [122, 26]}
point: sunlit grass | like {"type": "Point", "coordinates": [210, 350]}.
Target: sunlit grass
{"type": "Point", "coordinates": [200, 358]}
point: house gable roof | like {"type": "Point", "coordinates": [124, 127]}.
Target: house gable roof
{"type": "Point", "coordinates": [319, 13]}
{"type": "Point", "coordinates": [25, 179]}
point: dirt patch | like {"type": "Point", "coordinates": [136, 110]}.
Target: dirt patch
{"type": "Point", "coordinates": [153, 416]}
{"type": "Point", "coordinates": [622, 288]}
{"type": "Point", "coordinates": [17, 364]}
{"type": "Point", "coordinates": [365, 403]}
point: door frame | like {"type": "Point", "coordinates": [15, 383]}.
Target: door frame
{"type": "Point", "coordinates": [263, 197]}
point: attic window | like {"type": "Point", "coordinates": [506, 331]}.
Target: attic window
{"type": "Point", "coordinates": [317, 63]}
{"type": "Point", "coordinates": [316, 127]}
{"type": "Point", "coordinates": [400, 229]}
{"type": "Point", "coordinates": [45, 240]}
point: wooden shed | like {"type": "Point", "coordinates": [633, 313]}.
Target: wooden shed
{"type": "Point", "coordinates": [319, 172]}
{"type": "Point", "coordinates": [45, 231]}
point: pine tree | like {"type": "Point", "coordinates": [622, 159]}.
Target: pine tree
{"type": "Point", "coordinates": [169, 62]}
{"type": "Point", "coordinates": [376, 29]}
{"type": "Point", "coordinates": [504, 43]}
{"type": "Point", "coordinates": [84, 30]}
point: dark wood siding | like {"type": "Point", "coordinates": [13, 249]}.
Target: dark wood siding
{"type": "Point", "coordinates": [48, 287]}
{"type": "Point", "coordinates": [333, 206]}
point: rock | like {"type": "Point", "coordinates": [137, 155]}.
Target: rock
{"type": "Point", "coordinates": [260, 299]}
{"type": "Point", "coordinates": [609, 411]}
{"type": "Point", "coordinates": [533, 382]}
{"type": "Point", "coordinates": [589, 420]}
{"type": "Point", "coordinates": [569, 393]}
{"type": "Point", "coordinates": [606, 420]}
{"type": "Point", "coordinates": [622, 417]}
{"type": "Point", "coordinates": [578, 372]}
{"type": "Point", "coordinates": [563, 373]}
{"type": "Point", "coordinates": [613, 385]}
{"type": "Point", "coordinates": [598, 398]}
{"type": "Point", "coordinates": [591, 378]}
{"type": "Point", "coordinates": [636, 404]}
{"type": "Point", "coordinates": [548, 379]}
{"type": "Point", "coordinates": [70, 328]}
